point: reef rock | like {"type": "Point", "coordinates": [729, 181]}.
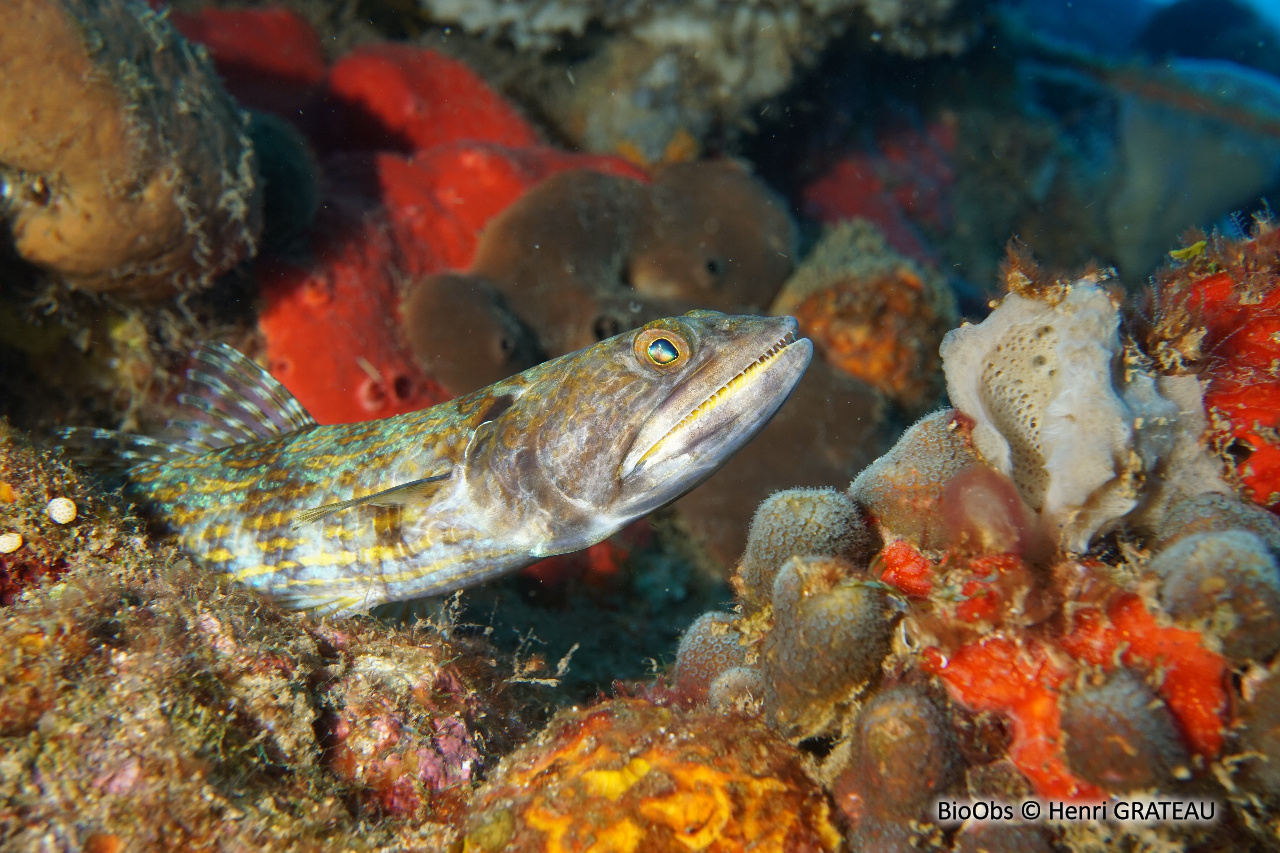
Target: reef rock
{"type": "Point", "coordinates": [146, 705]}
{"type": "Point", "coordinates": [674, 70]}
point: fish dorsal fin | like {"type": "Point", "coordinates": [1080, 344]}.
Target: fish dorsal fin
{"type": "Point", "coordinates": [110, 452]}
{"type": "Point", "coordinates": [394, 496]}
{"type": "Point", "coordinates": [231, 400]}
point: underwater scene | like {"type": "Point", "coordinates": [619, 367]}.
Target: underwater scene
{"type": "Point", "coordinates": [608, 426]}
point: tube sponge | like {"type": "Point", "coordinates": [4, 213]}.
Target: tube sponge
{"type": "Point", "coordinates": [1214, 512]}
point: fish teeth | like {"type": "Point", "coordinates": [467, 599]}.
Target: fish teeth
{"type": "Point", "coordinates": [729, 387]}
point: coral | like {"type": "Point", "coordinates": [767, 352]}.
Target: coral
{"type": "Point", "coordinates": [873, 313]}
{"type": "Point", "coordinates": [1214, 512]}
{"type": "Point", "coordinates": [1215, 316]}
{"type": "Point", "coordinates": [903, 752]}
{"type": "Point", "coordinates": [812, 630]}
{"type": "Point", "coordinates": [830, 632]}
{"type": "Point", "coordinates": [398, 734]}
{"type": "Point", "coordinates": [164, 710]}
{"type": "Point", "coordinates": [630, 775]}
{"type": "Point", "coordinates": [796, 522]}
{"type": "Point", "coordinates": [128, 165]}
{"type": "Point", "coordinates": [1228, 584]}
{"type": "Point", "coordinates": [711, 233]}
{"type": "Point", "coordinates": [30, 485]}
{"type": "Point", "coordinates": [740, 688]}
{"type": "Point", "coordinates": [391, 97]}
{"type": "Point", "coordinates": [671, 110]}
{"type": "Point", "coordinates": [1020, 680]}
{"type": "Point", "coordinates": [1120, 736]}
{"type": "Point", "coordinates": [902, 490]}
{"type": "Point", "coordinates": [1193, 683]}
{"type": "Point", "coordinates": [710, 647]}
{"type": "Point", "coordinates": [1065, 676]}
{"type": "Point", "coordinates": [462, 332]}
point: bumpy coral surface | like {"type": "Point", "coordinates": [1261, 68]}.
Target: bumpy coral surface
{"type": "Point", "coordinates": [133, 168]}
{"type": "Point", "coordinates": [630, 775]}
{"type": "Point", "coordinates": [902, 490]}
{"type": "Point", "coordinates": [145, 707]}
{"type": "Point", "coordinates": [873, 313]}
{"type": "Point", "coordinates": [816, 522]}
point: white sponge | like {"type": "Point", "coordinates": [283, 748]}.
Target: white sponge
{"type": "Point", "coordinates": [1061, 407]}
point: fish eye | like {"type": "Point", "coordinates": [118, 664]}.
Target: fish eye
{"type": "Point", "coordinates": [662, 351]}
{"type": "Point", "coordinates": [661, 348]}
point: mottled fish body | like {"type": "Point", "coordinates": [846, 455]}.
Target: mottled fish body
{"type": "Point", "coordinates": [343, 517]}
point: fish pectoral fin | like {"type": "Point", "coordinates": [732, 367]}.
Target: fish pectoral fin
{"type": "Point", "coordinates": [394, 496]}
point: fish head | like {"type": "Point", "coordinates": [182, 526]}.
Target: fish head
{"type": "Point", "coordinates": [617, 430]}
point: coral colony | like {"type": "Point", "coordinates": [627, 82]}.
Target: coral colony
{"type": "Point", "coordinates": [1002, 574]}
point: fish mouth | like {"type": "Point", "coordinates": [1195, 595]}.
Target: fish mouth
{"type": "Point", "coordinates": [720, 407]}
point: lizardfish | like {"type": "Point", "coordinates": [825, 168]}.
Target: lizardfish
{"type": "Point", "coordinates": [344, 517]}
